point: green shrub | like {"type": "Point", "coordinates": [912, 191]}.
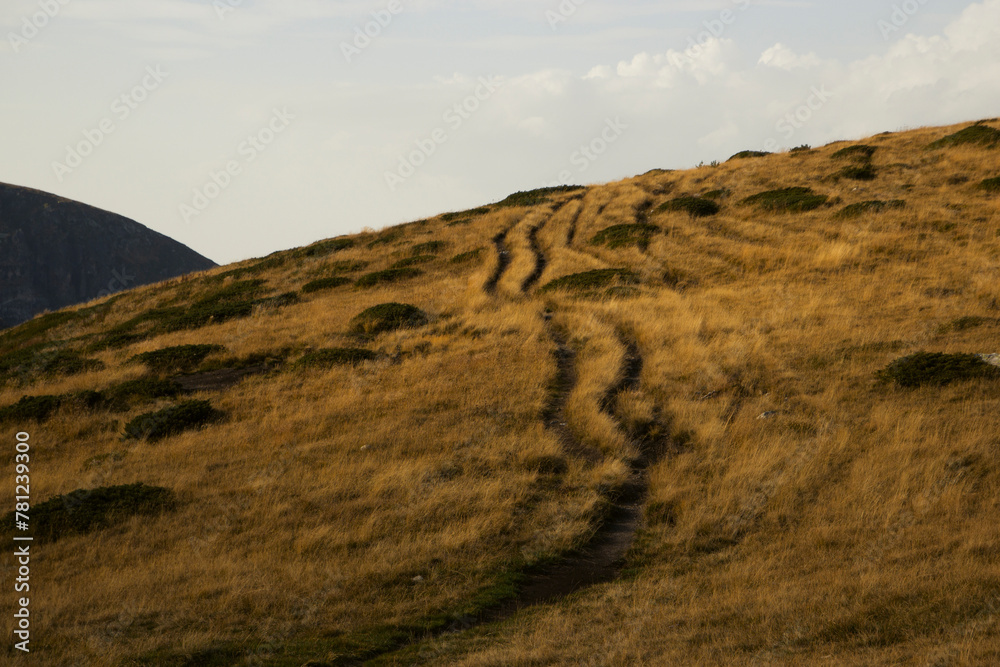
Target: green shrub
{"type": "Point", "coordinates": [269, 359]}
{"type": "Point", "coordinates": [278, 301]}
{"type": "Point", "coordinates": [180, 358]}
{"type": "Point", "coordinates": [872, 206]}
{"type": "Point", "coordinates": [743, 155]}
{"type": "Point", "coordinates": [388, 317]}
{"type": "Point", "coordinates": [714, 195]}
{"type": "Point", "coordinates": [804, 148]}
{"type": "Point", "coordinates": [539, 196]}
{"type": "Point", "coordinates": [990, 184]}
{"type": "Point", "coordinates": [696, 207]}
{"type": "Point", "coordinates": [858, 152]}
{"type": "Point", "coordinates": [200, 315]}
{"type": "Point", "coordinates": [43, 360]}
{"type": "Point", "coordinates": [122, 396]}
{"type": "Point", "coordinates": [464, 257]}
{"type": "Point", "coordinates": [328, 247]}
{"type": "Point", "coordinates": [976, 135]}
{"type": "Point", "coordinates": [31, 408]}
{"type": "Point", "coordinates": [173, 420]}
{"type": "Point", "coordinates": [965, 323]}
{"type": "Point", "coordinates": [620, 236]}
{"type": "Point", "coordinates": [413, 261]}
{"type": "Point", "coordinates": [464, 217]}
{"type": "Point", "coordinates": [237, 291]}
{"type": "Point", "coordinates": [429, 248]}
{"type": "Point", "coordinates": [937, 369]}
{"type": "Point", "coordinates": [346, 266]}
{"type": "Point", "coordinates": [593, 280]}
{"type": "Point", "coordinates": [385, 237]}
{"type": "Point", "coordinates": [387, 276]}
{"type": "Point", "coordinates": [36, 328]}
{"type": "Point", "coordinates": [87, 510]}
{"type": "Point", "coordinates": [324, 284]}
{"type": "Point", "coordinates": [861, 172]}
{"type": "Point", "coordinates": [337, 356]}
{"type": "Point", "coordinates": [787, 199]}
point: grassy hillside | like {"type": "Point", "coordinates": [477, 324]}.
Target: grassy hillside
{"type": "Point", "coordinates": [731, 415]}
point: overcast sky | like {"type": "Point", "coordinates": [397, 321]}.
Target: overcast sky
{"type": "Point", "coordinates": [240, 127]}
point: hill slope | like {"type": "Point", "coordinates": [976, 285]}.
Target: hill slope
{"type": "Point", "coordinates": [55, 252]}
{"type": "Point", "coordinates": [731, 415]}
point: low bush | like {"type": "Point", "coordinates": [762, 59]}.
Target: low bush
{"type": "Point", "coordinates": [858, 152]}
{"type": "Point", "coordinates": [324, 284]}
{"type": "Point", "coordinates": [715, 195]}
{"type": "Point", "coordinates": [337, 356]}
{"type": "Point", "coordinates": [990, 184]}
{"type": "Point", "coordinates": [794, 200]}
{"type": "Point", "coordinates": [124, 395]}
{"type": "Point", "coordinates": [31, 408]}
{"type": "Point", "coordinates": [429, 248]}
{"type": "Point", "coordinates": [170, 421]}
{"type": "Point", "coordinates": [593, 280]}
{"type": "Point", "coordinates": [872, 206]}
{"type": "Point", "coordinates": [620, 236]}
{"type": "Point", "coordinates": [975, 135]}
{"type": "Point", "coordinates": [179, 358]}
{"type": "Point", "coordinates": [385, 237]}
{"type": "Point", "coordinates": [388, 317]}
{"type": "Point", "coordinates": [470, 256]}
{"type": "Point", "coordinates": [328, 247]}
{"type": "Point", "coordinates": [937, 369]}
{"type": "Point", "coordinates": [539, 196]}
{"type": "Point", "coordinates": [45, 360]}
{"type": "Point", "coordinates": [387, 276]}
{"type": "Point", "coordinates": [744, 155]}
{"type": "Point", "coordinates": [86, 510]}
{"type": "Point", "coordinates": [861, 172]}
{"type": "Point", "coordinates": [696, 207]}
{"type": "Point", "coordinates": [413, 261]}
{"type": "Point", "coordinates": [464, 217]}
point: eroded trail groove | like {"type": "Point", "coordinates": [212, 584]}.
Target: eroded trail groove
{"type": "Point", "coordinates": [540, 261]}
{"type": "Point", "coordinates": [503, 261]}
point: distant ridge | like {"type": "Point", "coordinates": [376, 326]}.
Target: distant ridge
{"type": "Point", "coordinates": [55, 252]}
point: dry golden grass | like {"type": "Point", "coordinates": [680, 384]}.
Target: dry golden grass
{"type": "Point", "coordinates": [806, 514]}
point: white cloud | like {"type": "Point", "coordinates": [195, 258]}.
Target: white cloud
{"type": "Point", "coordinates": [782, 57]}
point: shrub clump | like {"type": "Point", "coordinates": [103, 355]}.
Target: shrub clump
{"type": "Point", "coordinates": [858, 152]}
{"type": "Point", "coordinates": [744, 155]}
{"type": "Point", "coordinates": [936, 369]}
{"type": "Point", "coordinates": [413, 261]}
{"type": "Point", "coordinates": [31, 408]}
{"type": "Point", "coordinates": [795, 200]}
{"type": "Point", "coordinates": [715, 195]}
{"type": "Point", "coordinates": [976, 135]}
{"type": "Point", "coordinates": [388, 317]}
{"type": "Point", "coordinates": [173, 420]}
{"type": "Point", "coordinates": [620, 236]}
{"type": "Point", "coordinates": [593, 280]}
{"type": "Point", "coordinates": [336, 356]}
{"type": "Point", "coordinates": [325, 283]}
{"type": "Point", "coordinates": [328, 247]}
{"type": "Point", "coordinates": [87, 510]}
{"type": "Point", "coordinates": [387, 276]}
{"type": "Point", "coordinates": [464, 217]}
{"type": "Point", "coordinates": [124, 395]}
{"type": "Point", "coordinates": [860, 172]}
{"type": "Point", "coordinates": [429, 248]}
{"type": "Point", "coordinates": [180, 358]}
{"type": "Point", "coordinates": [872, 206]}
{"type": "Point", "coordinates": [990, 184]}
{"type": "Point", "coordinates": [696, 207]}
{"type": "Point", "coordinates": [464, 257]}
{"type": "Point", "coordinates": [539, 196]}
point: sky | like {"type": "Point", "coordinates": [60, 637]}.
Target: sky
{"type": "Point", "coordinates": [241, 127]}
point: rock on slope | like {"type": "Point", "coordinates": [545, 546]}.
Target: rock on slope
{"type": "Point", "coordinates": [55, 252]}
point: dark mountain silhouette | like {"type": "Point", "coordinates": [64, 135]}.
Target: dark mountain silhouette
{"type": "Point", "coordinates": [55, 252]}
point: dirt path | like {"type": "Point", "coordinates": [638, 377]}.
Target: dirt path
{"type": "Point", "coordinates": [540, 260]}
{"type": "Point", "coordinates": [503, 261]}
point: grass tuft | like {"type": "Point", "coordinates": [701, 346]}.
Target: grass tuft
{"type": "Point", "coordinates": [872, 206]}
{"type": "Point", "coordinates": [974, 135]}
{"type": "Point", "coordinates": [388, 276]}
{"type": "Point", "coordinates": [180, 358]}
{"type": "Point", "coordinates": [325, 284]}
{"type": "Point", "coordinates": [536, 197]}
{"type": "Point", "coordinates": [388, 317]}
{"type": "Point", "coordinates": [990, 184]}
{"type": "Point", "coordinates": [593, 280]}
{"type": "Point", "coordinates": [696, 207]}
{"type": "Point", "coordinates": [745, 155]}
{"type": "Point", "coordinates": [336, 356]}
{"type": "Point", "coordinates": [620, 236]}
{"type": "Point", "coordinates": [859, 152]}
